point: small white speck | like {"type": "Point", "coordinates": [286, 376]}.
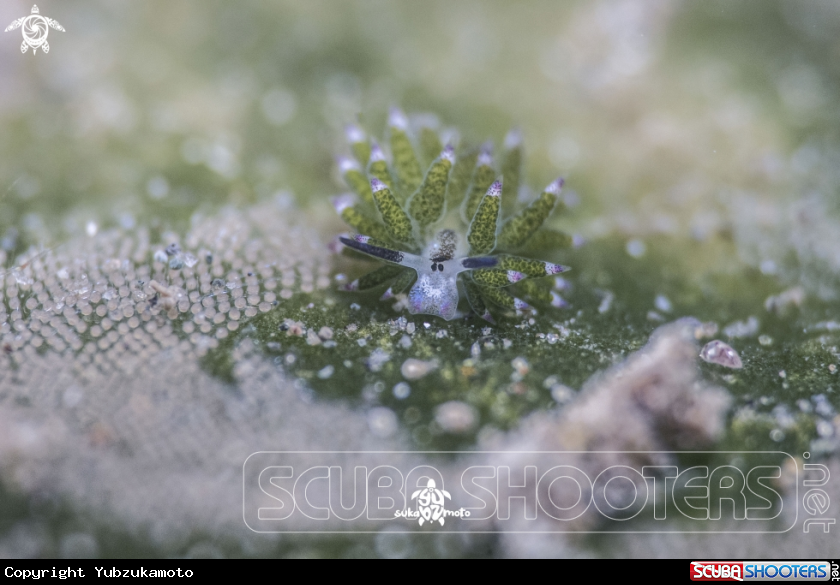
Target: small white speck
{"type": "Point", "coordinates": [456, 416]}
{"type": "Point", "coordinates": [401, 391]}
{"type": "Point", "coordinates": [654, 316]}
{"type": "Point", "coordinates": [718, 352]}
{"type": "Point", "coordinates": [606, 302]}
{"type": "Point", "coordinates": [378, 358]}
{"type": "Point", "coordinates": [561, 393]}
{"type": "Point", "coordinates": [768, 267]}
{"type": "Point", "coordinates": [823, 406]}
{"type": "Point", "coordinates": [520, 364]}
{"type": "Point", "coordinates": [157, 187]}
{"type": "Point", "coordinates": [662, 303]}
{"type": "Point", "coordinates": [325, 333]}
{"type": "Point", "coordinates": [746, 328]}
{"type": "Point", "coordinates": [414, 369]}
{"type": "Point", "coordinates": [382, 422]}
{"type": "Point", "coordinates": [636, 248]}
{"type": "Point", "coordinates": [825, 429]}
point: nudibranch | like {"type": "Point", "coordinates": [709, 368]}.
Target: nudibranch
{"type": "Point", "coordinates": [442, 231]}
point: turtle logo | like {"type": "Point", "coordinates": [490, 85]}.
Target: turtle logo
{"type": "Point", "coordinates": [430, 502]}
{"type": "Point", "coordinates": [35, 30]}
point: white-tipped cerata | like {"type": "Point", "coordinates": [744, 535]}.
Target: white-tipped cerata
{"type": "Point", "coordinates": [485, 157]}
{"type": "Point", "coordinates": [376, 153]}
{"type": "Point", "coordinates": [520, 305]}
{"type": "Point", "coordinates": [376, 185]}
{"type": "Point", "coordinates": [351, 287]}
{"type": "Point", "coordinates": [343, 201]}
{"type": "Point", "coordinates": [345, 164]}
{"type": "Point", "coordinates": [556, 186]}
{"type": "Point", "coordinates": [557, 301]}
{"type": "Point", "coordinates": [450, 136]}
{"type": "Point", "coordinates": [397, 119]}
{"type": "Point", "coordinates": [513, 139]}
{"type": "Point", "coordinates": [354, 134]}
{"type": "Point", "coordinates": [552, 269]}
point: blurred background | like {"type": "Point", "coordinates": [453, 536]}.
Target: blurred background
{"type": "Point", "coordinates": [700, 142]}
{"type": "Point", "coordinates": [636, 102]}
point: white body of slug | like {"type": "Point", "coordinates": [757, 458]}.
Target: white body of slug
{"type": "Point", "coordinates": [436, 290]}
